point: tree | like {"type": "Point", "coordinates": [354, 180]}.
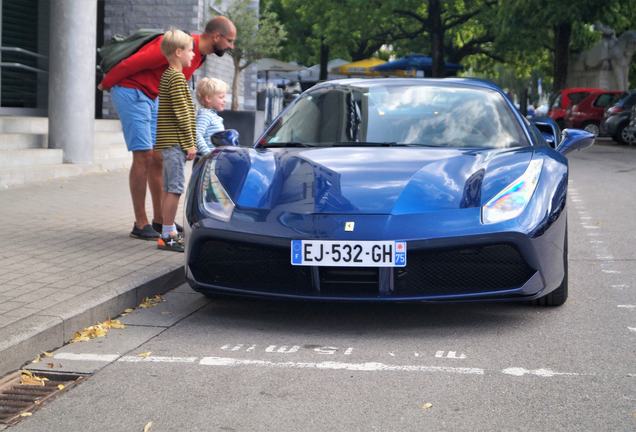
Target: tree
{"type": "Point", "coordinates": [257, 37]}
{"type": "Point", "coordinates": [439, 19]}
{"type": "Point", "coordinates": [561, 28]}
{"type": "Point", "coordinates": [352, 29]}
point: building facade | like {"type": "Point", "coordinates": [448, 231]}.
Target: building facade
{"type": "Point", "coordinates": [29, 28]}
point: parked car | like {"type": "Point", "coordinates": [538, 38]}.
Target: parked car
{"type": "Point", "coordinates": [588, 113]}
{"type": "Point", "coordinates": [616, 119]}
{"type": "Point", "coordinates": [563, 99]}
{"type": "Point", "coordinates": [387, 190]}
{"type": "Point", "coordinates": [630, 130]}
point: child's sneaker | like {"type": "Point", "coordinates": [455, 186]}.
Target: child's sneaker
{"type": "Point", "coordinates": [175, 244]}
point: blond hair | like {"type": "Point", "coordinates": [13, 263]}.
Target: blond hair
{"type": "Point", "coordinates": [174, 39]}
{"type": "Point", "coordinates": [209, 86]}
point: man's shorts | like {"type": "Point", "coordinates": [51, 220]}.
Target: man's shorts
{"type": "Point", "coordinates": [138, 116]}
{"type": "Point", "coordinates": [174, 160]}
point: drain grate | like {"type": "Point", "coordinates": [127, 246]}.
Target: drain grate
{"type": "Point", "coordinates": [17, 399]}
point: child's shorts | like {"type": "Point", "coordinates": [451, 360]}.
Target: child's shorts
{"type": "Point", "coordinates": [174, 160]}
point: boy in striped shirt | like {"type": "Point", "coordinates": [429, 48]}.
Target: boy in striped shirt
{"type": "Point", "coordinates": [211, 96]}
{"type": "Point", "coordinates": [175, 131]}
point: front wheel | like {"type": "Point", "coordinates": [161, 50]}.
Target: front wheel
{"type": "Point", "coordinates": [559, 295]}
{"type": "Point", "coordinates": [592, 128]}
{"type": "Point", "coordinates": [624, 136]}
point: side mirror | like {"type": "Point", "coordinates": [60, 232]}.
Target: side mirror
{"type": "Point", "coordinates": [228, 137]}
{"type": "Point", "coordinates": [549, 130]}
{"type": "Point", "coordinates": [574, 139]}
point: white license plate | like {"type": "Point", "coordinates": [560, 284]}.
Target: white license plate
{"type": "Point", "coordinates": [348, 253]}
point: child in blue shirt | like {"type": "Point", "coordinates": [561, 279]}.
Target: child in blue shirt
{"type": "Point", "coordinates": [211, 96]}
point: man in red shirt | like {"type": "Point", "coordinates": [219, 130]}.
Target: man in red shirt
{"type": "Point", "coordinates": [134, 86]}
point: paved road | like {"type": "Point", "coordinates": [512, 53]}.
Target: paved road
{"type": "Point", "coordinates": [237, 365]}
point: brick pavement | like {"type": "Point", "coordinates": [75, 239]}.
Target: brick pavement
{"type": "Point", "coordinates": [67, 262]}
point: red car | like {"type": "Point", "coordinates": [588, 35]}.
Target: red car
{"type": "Point", "coordinates": [564, 99]}
{"type": "Point", "coordinates": [588, 113]}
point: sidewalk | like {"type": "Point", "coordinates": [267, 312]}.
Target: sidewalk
{"type": "Point", "coordinates": [67, 262]}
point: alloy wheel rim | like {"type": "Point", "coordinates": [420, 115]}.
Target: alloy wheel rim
{"type": "Point", "coordinates": [592, 128]}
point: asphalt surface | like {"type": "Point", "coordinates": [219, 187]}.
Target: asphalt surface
{"type": "Point", "coordinates": [243, 365]}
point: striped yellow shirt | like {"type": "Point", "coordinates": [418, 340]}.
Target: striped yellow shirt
{"type": "Point", "coordinates": [176, 118]}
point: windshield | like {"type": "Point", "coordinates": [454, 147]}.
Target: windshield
{"type": "Point", "coordinates": [397, 115]}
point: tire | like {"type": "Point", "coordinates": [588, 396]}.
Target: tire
{"type": "Point", "coordinates": [559, 295]}
{"type": "Point", "coordinates": [592, 128]}
{"type": "Point", "coordinates": [624, 136]}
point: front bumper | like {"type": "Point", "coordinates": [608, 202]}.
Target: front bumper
{"type": "Point", "coordinates": [500, 266]}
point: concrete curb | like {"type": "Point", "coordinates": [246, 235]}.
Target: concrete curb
{"type": "Point", "coordinates": [23, 340]}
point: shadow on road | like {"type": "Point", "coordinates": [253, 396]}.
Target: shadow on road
{"type": "Point", "coordinates": [353, 318]}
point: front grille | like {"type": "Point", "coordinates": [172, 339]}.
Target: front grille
{"type": "Point", "coordinates": [349, 281]}
{"type": "Point", "coordinates": [249, 266]}
{"type": "Point", "coordinates": [461, 271]}
{"type": "Point", "coordinates": [436, 272]}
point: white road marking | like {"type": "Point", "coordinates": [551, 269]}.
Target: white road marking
{"type": "Point", "coordinates": [450, 355]}
{"type": "Point", "coordinates": [283, 349]}
{"type": "Point", "coordinates": [620, 286]}
{"type": "Point", "coordinates": [157, 359]}
{"type": "Point", "coordinates": [326, 365]}
{"type": "Point", "coordinates": [627, 306]}
{"type": "Point", "coordinates": [362, 367]}
{"type": "Point", "coordinates": [545, 373]}
{"type": "Point", "coordinates": [632, 329]}
{"type": "Point", "coordinates": [586, 217]}
{"type": "Point", "coordinates": [605, 257]}
{"type": "Point", "coordinates": [87, 357]}
{"type": "Point", "coordinates": [590, 227]}
{"type": "Point", "coordinates": [610, 271]}
{"type": "Point", "coordinates": [596, 241]}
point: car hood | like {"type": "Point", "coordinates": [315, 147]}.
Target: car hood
{"type": "Point", "coordinates": [367, 180]}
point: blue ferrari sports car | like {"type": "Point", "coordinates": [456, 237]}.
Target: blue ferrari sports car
{"type": "Point", "coordinates": [387, 190]}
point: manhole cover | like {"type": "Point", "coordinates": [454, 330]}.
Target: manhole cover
{"type": "Point", "coordinates": [17, 400]}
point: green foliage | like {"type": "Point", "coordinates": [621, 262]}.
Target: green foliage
{"type": "Point", "coordinates": [510, 41]}
{"type": "Point", "coordinates": [258, 37]}
{"type": "Point", "coordinates": [352, 29]}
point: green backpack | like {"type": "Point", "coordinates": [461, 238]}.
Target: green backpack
{"type": "Point", "coordinates": [120, 47]}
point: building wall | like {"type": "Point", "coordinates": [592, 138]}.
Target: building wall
{"type": "Point", "coordinates": [127, 16]}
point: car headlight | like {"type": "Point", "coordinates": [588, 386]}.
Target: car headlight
{"type": "Point", "coordinates": [511, 201]}
{"type": "Point", "coordinates": [214, 198]}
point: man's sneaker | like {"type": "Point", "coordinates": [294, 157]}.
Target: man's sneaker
{"type": "Point", "coordinates": [145, 233]}
{"type": "Point", "coordinates": [158, 227]}
{"type": "Point", "coordinates": [174, 244]}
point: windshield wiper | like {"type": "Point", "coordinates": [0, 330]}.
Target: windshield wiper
{"type": "Point", "coordinates": [370, 144]}
{"type": "Point", "coordinates": [287, 144]}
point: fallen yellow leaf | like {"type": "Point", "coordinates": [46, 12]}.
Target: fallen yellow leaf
{"type": "Point", "coordinates": [147, 427]}
{"type": "Point", "coordinates": [98, 330]}
{"type": "Point", "coordinates": [47, 354]}
{"type": "Point", "coordinates": [36, 360]}
{"type": "Point", "coordinates": [28, 378]}
{"type": "Point", "coordinates": [144, 354]}
{"type": "Point", "coordinates": [116, 324]}
{"type": "Point", "coordinates": [60, 386]}
{"type": "Point", "coordinates": [427, 405]}
{"type": "Point", "coordinates": [26, 414]}
{"type": "Point", "coordinates": [129, 310]}
{"type": "Point", "coordinates": [151, 301]}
